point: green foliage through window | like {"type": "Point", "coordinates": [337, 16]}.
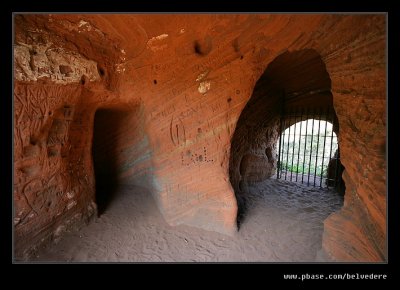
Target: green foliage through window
{"type": "Point", "coordinates": [308, 153]}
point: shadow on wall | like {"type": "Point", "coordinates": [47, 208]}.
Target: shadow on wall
{"type": "Point", "coordinates": [292, 80]}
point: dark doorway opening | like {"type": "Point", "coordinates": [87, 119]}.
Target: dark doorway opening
{"type": "Point", "coordinates": [106, 135]}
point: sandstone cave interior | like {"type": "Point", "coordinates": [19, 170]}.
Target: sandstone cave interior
{"type": "Point", "coordinates": [166, 138]}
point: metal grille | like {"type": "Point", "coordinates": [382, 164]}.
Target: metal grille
{"type": "Point", "coordinates": [308, 148]}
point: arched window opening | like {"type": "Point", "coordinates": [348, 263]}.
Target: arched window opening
{"type": "Point", "coordinates": [308, 150]}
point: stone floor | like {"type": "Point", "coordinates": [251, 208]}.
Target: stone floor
{"type": "Point", "coordinates": [283, 223]}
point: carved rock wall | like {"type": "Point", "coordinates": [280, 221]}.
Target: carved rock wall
{"type": "Point", "coordinates": [51, 184]}
{"type": "Point", "coordinates": [184, 81]}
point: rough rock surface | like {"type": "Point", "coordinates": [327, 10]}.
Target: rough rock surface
{"type": "Point", "coordinates": [182, 82]}
{"type": "Point", "coordinates": [33, 62]}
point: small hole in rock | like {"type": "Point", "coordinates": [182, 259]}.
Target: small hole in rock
{"type": "Point", "coordinates": [197, 48]}
{"type": "Point", "coordinates": [241, 57]}
{"type": "Point", "coordinates": [101, 72]}
{"type": "Point", "coordinates": [155, 82]}
{"type": "Point", "coordinates": [229, 100]}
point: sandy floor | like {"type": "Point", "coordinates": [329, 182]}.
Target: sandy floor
{"type": "Point", "coordinates": [283, 224]}
{"type": "Point", "coordinates": [303, 179]}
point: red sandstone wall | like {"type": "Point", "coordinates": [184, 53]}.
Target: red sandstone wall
{"type": "Point", "coordinates": [192, 76]}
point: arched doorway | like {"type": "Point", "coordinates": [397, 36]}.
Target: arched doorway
{"type": "Point", "coordinates": [294, 82]}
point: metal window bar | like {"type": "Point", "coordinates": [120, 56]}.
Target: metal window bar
{"type": "Point", "coordinates": [287, 152]}
{"type": "Point", "coordinates": [316, 156]}
{"type": "Point", "coordinates": [298, 152]}
{"type": "Point", "coordinates": [294, 140]}
{"type": "Point", "coordinates": [305, 149]}
{"type": "Point", "coordinates": [282, 145]}
{"type": "Point", "coordinates": [323, 152]}
{"type": "Point", "coordinates": [311, 146]}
